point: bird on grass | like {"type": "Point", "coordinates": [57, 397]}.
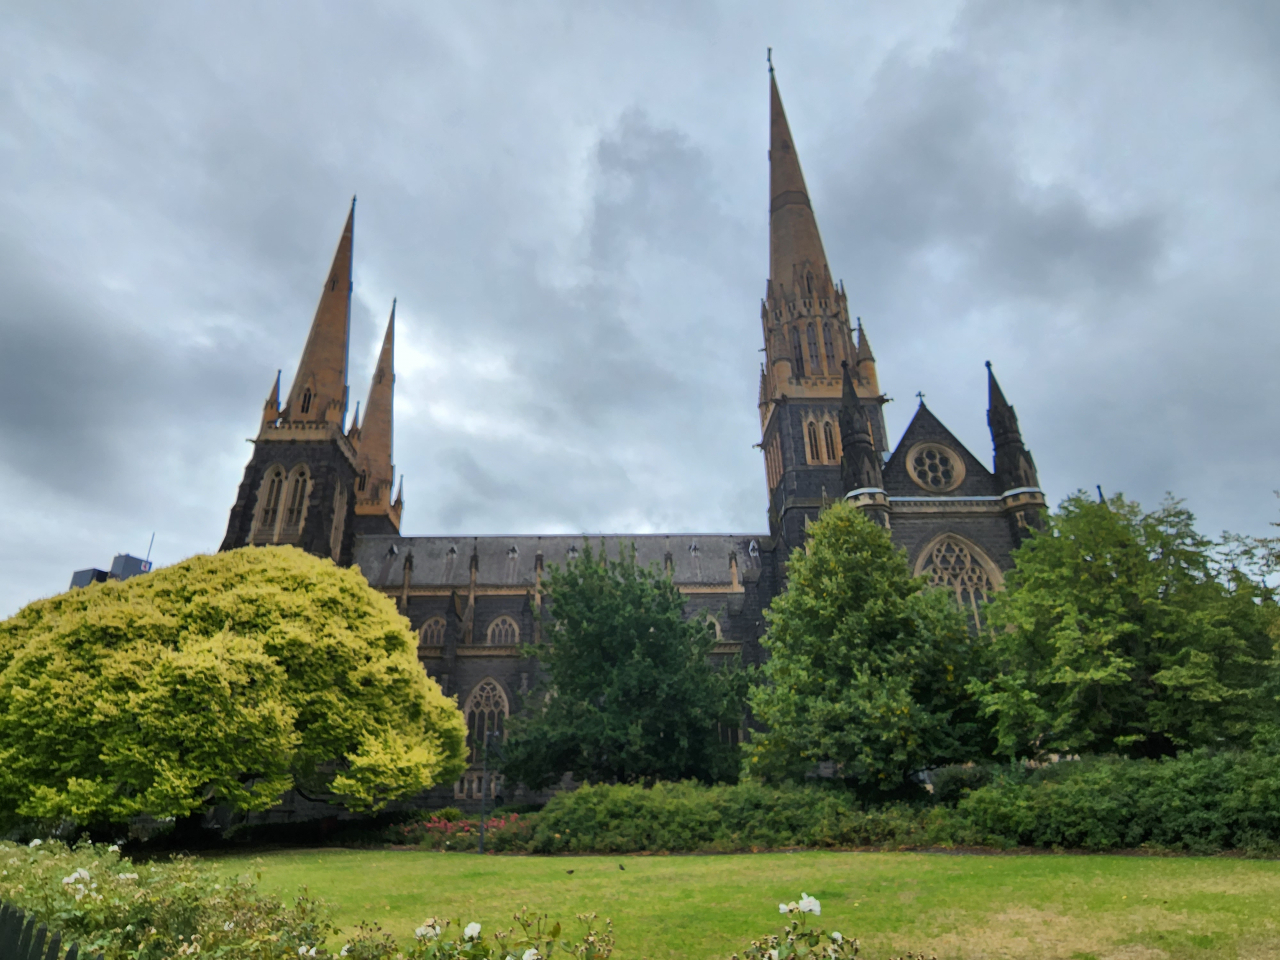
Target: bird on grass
{"type": "Point", "coordinates": [621, 867]}
{"type": "Point", "coordinates": [568, 871]}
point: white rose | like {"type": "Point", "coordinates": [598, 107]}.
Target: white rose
{"type": "Point", "coordinates": [471, 931]}
{"type": "Point", "coordinates": [532, 954]}
{"type": "Point", "coordinates": [810, 904]}
{"type": "Point", "coordinates": [345, 948]}
{"type": "Point", "coordinates": [835, 937]}
{"type": "Point", "coordinates": [35, 843]}
{"type": "Point", "coordinates": [782, 908]}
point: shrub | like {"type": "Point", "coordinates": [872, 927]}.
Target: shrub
{"type": "Point", "coordinates": [503, 833]}
{"type": "Point", "coordinates": [151, 911]}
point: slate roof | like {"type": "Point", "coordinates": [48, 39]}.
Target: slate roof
{"type": "Point", "coordinates": [697, 558]}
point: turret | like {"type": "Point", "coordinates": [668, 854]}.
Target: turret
{"type": "Point", "coordinates": [860, 464]}
{"type": "Point", "coordinates": [377, 511]}
{"type": "Point", "coordinates": [1014, 469]}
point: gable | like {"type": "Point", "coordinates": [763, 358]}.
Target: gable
{"type": "Point", "coordinates": [926, 437]}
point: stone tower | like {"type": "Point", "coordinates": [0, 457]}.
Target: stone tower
{"type": "Point", "coordinates": [809, 353]}
{"type": "Point", "coordinates": [299, 486]}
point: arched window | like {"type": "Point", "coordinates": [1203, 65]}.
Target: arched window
{"type": "Point", "coordinates": [432, 633]}
{"type": "Point", "coordinates": [830, 346]}
{"type": "Point", "coordinates": [829, 436]}
{"type": "Point", "coordinates": [503, 632]}
{"type": "Point", "coordinates": [815, 455]}
{"type": "Point", "coordinates": [306, 400]}
{"type": "Point", "coordinates": [952, 561]}
{"type": "Point", "coordinates": [715, 625]}
{"type": "Point", "coordinates": [486, 714]}
{"type": "Point", "coordinates": [797, 355]}
{"type": "Point", "coordinates": [264, 528]}
{"type": "Point", "coordinates": [808, 280]}
{"type": "Point", "coordinates": [362, 480]}
{"type": "Point", "coordinates": [296, 505]}
{"type": "Point", "coordinates": [814, 360]}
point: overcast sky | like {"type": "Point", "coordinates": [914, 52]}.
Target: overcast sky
{"type": "Point", "coordinates": [569, 200]}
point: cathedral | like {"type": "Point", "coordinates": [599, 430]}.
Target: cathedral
{"type": "Point", "coordinates": [327, 485]}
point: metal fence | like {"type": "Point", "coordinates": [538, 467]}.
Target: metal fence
{"type": "Point", "coordinates": [21, 938]}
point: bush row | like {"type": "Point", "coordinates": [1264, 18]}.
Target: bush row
{"type": "Point", "coordinates": [1200, 802]}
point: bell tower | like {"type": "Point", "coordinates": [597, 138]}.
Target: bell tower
{"type": "Point", "coordinates": [299, 486]}
{"type": "Point", "coordinates": [809, 353]}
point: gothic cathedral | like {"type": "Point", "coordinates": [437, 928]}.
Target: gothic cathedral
{"type": "Point", "coordinates": [327, 487]}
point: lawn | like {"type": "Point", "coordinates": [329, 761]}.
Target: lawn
{"type": "Point", "coordinates": [1077, 907]}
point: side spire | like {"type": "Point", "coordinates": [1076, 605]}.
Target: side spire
{"type": "Point", "coordinates": [374, 466]}
{"type": "Point", "coordinates": [860, 472]}
{"type": "Point", "coordinates": [271, 409]}
{"type": "Point", "coordinates": [795, 247]}
{"type": "Point", "coordinates": [1014, 467]}
{"type": "Point", "coordinates": [319, 391]}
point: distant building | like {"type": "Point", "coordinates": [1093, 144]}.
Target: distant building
{"type": "Point", "coordinates": [123, 567]}
{"type": "Point", "coordinates": [328, 486]}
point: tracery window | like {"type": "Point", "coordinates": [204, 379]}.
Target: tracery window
{"type": "Point", "coordinates": [486, 714]}
{"type": "Point", "coordinates": [503, 632]}
{"type": "Point", "coordinates": [953, 562]}
{"type": "Point", "coordinates": [815, 455]}
{"type": "Point", "coordinates": [814, 360]}
{"type": "Point", "coordinates": [830, 346]}
{"type": "Point", "coordinates": [432, 633]}
{"type": "Point", "coordinates": [797, 354]}
{"type": "Point", "coordinates": [935, 467]}
{"type": "Point", "coordinates": [829, 436]}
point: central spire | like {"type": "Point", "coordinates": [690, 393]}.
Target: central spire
{"type": "Point", "coordinates": [795, 247]}
{"type": "Point", "coordinates": [319, 391]}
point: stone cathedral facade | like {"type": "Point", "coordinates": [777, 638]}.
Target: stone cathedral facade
{"type": "Point", "coordinates": [327, 484]}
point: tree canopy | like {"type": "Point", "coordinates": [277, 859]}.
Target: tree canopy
{"type": "Point", "coordinates": [1127, 632]}
{"type": "Point", "coordinates": [631, 694]}
{"type": "Point", "coordinates": [224, 679]}
{"type": "Point", "coordinates": [867, 669]}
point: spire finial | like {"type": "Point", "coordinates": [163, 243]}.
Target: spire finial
{"type": "Point", "coordinates": [769, 57]}
{"type": "Point", "coordinates": [920, 397]}
{"type": "Point", "coordinates": [988, 365]}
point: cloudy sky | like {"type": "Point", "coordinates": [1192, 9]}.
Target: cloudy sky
{"type": "Point", "coordinates": [569, 200]}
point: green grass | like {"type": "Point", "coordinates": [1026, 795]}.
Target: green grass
{"type": "Point", "coordinates": [1070, 907]}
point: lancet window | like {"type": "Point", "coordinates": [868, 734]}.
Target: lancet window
{"type": "Point", "coordinates": [797, 354]}
{"type": "Point", "coordinates": [815, 454]}
{"type": "Point", "coordinates": [829, 437]}
{"type": "Point", "coordinates": [814, 360]}
{"type": "Point", "coordinates": [306, 400]}
{"type": "Point", "coordinates": [269, 506]}
{"type": "Point", "coordinates": [830, 346]}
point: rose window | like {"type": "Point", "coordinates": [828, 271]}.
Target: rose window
{"type": "Point", "coordinates": [935, 468]}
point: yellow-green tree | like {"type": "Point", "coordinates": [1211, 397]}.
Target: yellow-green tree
{"type": "Point", "coordinates": [221, 680]}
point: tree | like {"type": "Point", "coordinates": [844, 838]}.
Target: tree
{"type": "Point", "coordinates": [1127, 632]}
{"type": "Point", "coordinates": [221, 680]}
{"type": "Point", "coordinates": [631, 694]}
{"type": "Point", "coordinates": [867, 669]}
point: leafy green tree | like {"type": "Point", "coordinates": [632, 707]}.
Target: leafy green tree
{"type": "Point", "coordinates": [631, 694]}
{"type": "Point", "coordinates": [221, 680]}
{"type": "Point", "coordinates": [867, 669]}
{"type": "Point", "coordinates": [1127, 632]}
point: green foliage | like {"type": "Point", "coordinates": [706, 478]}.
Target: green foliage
{"type": "Point", "coordinates": [508, 832]}
{"type": "Point", "coordinates": [537, 939]}
{"type": "Point", "coordinates": [688, 817]}
{"type": "Point", "coordinates": [151, 911]}
{"type": "Point", "coordinates": [866, 669]}
{"type": "Point", "coordinates": [1200, 802]}
{"type": "Point", "coordinates": [220, 680]}
{"type": "Point", "coordinates": [1126, 632]}
{"type": "Point", "coordinates": [631, 695]}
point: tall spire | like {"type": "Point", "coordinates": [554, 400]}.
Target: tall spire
{"type": "Point", "coordinates": [795, 247]}
{"type": "Point", "coordinates": [374, 465]}
{"type": "Point", "coordinates": [319, 391]}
